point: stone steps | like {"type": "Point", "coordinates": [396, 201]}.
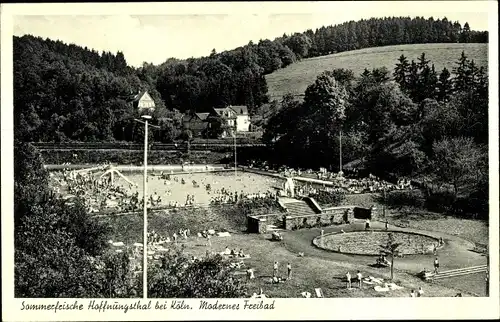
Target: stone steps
{"type": "Point", "coordinates": [460, 272]}
{"type": "Point", "coordinates": [271, 228]}
{"type": "Point", "coordinates": [299, 208]}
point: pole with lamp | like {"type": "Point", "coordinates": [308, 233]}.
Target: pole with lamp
{"type": "Point", "coordinates": [145, 119]}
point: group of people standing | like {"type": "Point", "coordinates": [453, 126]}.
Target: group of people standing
{"type": "Point", "coordinates": [359, 279]}
{"type": "Point", "coordinates": [276, 277]}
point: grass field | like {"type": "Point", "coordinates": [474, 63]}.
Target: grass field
{"type": "Point", "coordinates": [318, 268]}
{"type": "Point", "coordinates": [473, 230]}
{"type": "Point", "coordinates": [296, 77]}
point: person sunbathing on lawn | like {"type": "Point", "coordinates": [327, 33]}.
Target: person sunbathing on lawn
{"type": "Point", "coordinates": [277, 280]}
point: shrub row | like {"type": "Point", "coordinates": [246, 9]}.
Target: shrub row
{"type": "Point", "coordinates": [443, 201]}
{"type": "Point", "coordinates": [196, 143]}
{"type": "Point", "coordinates": [326, 198]}
{"type": "Point", "coordinates": [401, 198]}
{"type": "Point", "coordinates": [133, 157]}
{"type": "Point", "coordinates": [317, 224]}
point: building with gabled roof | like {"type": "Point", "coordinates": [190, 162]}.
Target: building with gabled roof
{"type": "Point", "coordinates": [195, 122]}
{"type": "Point", "coordinates": [235, 118]}
{"type": "Point", "coordinates": [142, 100]}
{"type": "Point", "coordinates": [242, 118]}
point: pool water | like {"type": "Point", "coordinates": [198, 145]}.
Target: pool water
{"type": "Point", "coordinates": [174, 190]}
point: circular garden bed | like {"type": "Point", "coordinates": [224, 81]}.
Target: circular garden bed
{"type": "Point", "coordinates": [369, 242]}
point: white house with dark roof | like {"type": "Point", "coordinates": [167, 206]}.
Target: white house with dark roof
{"type": "Point", "coordinates": [227, 114]}
{"type": "Point", "coordinates": [242, 118]}
{"type": "Point", "coordinates": [142, 100]}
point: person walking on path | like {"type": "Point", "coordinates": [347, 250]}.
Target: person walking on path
{"type": "Point", "coordinates": [209, 242]}
{"type": "Point", "coordinates": [420, 292]}
{"type": "Point", "coordinates": [275, 269]}
{"type": "Point", "coordinates": [348, 280]}
{"type": "Point", "coordinates": [436, 266]}
{"type": "Point", "coordinates": [289, 270]}
{"type": "Point", "coordinates": [360, 279]}
{"type": "Point", "coordinates": [412, 294]}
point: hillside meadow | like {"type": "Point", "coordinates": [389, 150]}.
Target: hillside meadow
{"type": "Point", "coordinates": [296, 77]}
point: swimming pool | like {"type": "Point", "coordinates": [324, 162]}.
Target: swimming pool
{"type": "Point", "coordinates": [175, 190]}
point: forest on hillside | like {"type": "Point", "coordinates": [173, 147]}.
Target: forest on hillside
{"type": "Point", "coordinates": [420, 123]}
{"type": "Point", "coordinates": [69, 93]}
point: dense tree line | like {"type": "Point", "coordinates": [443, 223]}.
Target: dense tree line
{"type": "Point", "coordinates": [106, 60]}
{"type": "Point", "coordinates": [236, 76]}
{"type": "Point", "coordinates": [63, 92]}
{"type": "Point", "coordinates": [377, 32]}
{"type": "Point", "coordinates": [229, 78]}
{"type": "Point", "coordinates": [417, 122]}
{"type": "Point", "coordinates": [66, 92]}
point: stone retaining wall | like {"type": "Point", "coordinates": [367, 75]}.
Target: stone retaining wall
{"type": "Point", "coordinates": [258, 224]}
{"type": "Point", "coordinates": [329, 216]}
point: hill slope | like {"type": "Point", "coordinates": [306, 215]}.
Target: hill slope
{"type": "Point", "coordinates": [296, 77]}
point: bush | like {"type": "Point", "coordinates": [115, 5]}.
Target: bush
{"type": "Point", "coordinates": [236, 214]}
{"type": "Point", "coordinates": [328, 198]}
{"type": "Point", "coordinates": [401, 198]}
{"type": "Point", "coordinates": [440, 200]}
{"type": "Point", "coordinates": [179, 277]}
{"type": "Point", "coordinates": [470, 207]}
{"type": "Point", "coordinates": [131, 157]}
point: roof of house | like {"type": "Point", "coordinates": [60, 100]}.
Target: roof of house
{"type": "Point", "coordinates": [136, 97]}
{"type": "Point", "coordinates": [202, 116]}
{"type": "Point", "coordinates": [239, 109]}
{"type": "Point", "coordinates": [220, 111]}
{"type": "Point", "coordinates": [196, 116]}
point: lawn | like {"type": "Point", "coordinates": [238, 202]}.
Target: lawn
{"type": "Point", "coordinates": [308, 272]}
{"type": "Point", "coordinates": [296, 77]}
{"type": "Point", "coordinates": [318, 268]}
{"type": "Point", "coordinates": [232, 218]}
{"type": "Point", "coordinates": [473, 230]}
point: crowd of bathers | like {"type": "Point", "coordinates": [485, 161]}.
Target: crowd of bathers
{"type": "Point", "coordinates": [341, 184]}
{"type": "Point", "coordinates": [99, 194]}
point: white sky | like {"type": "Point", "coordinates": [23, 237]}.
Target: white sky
{"type": "Point", "coordinates": [154, 32]}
